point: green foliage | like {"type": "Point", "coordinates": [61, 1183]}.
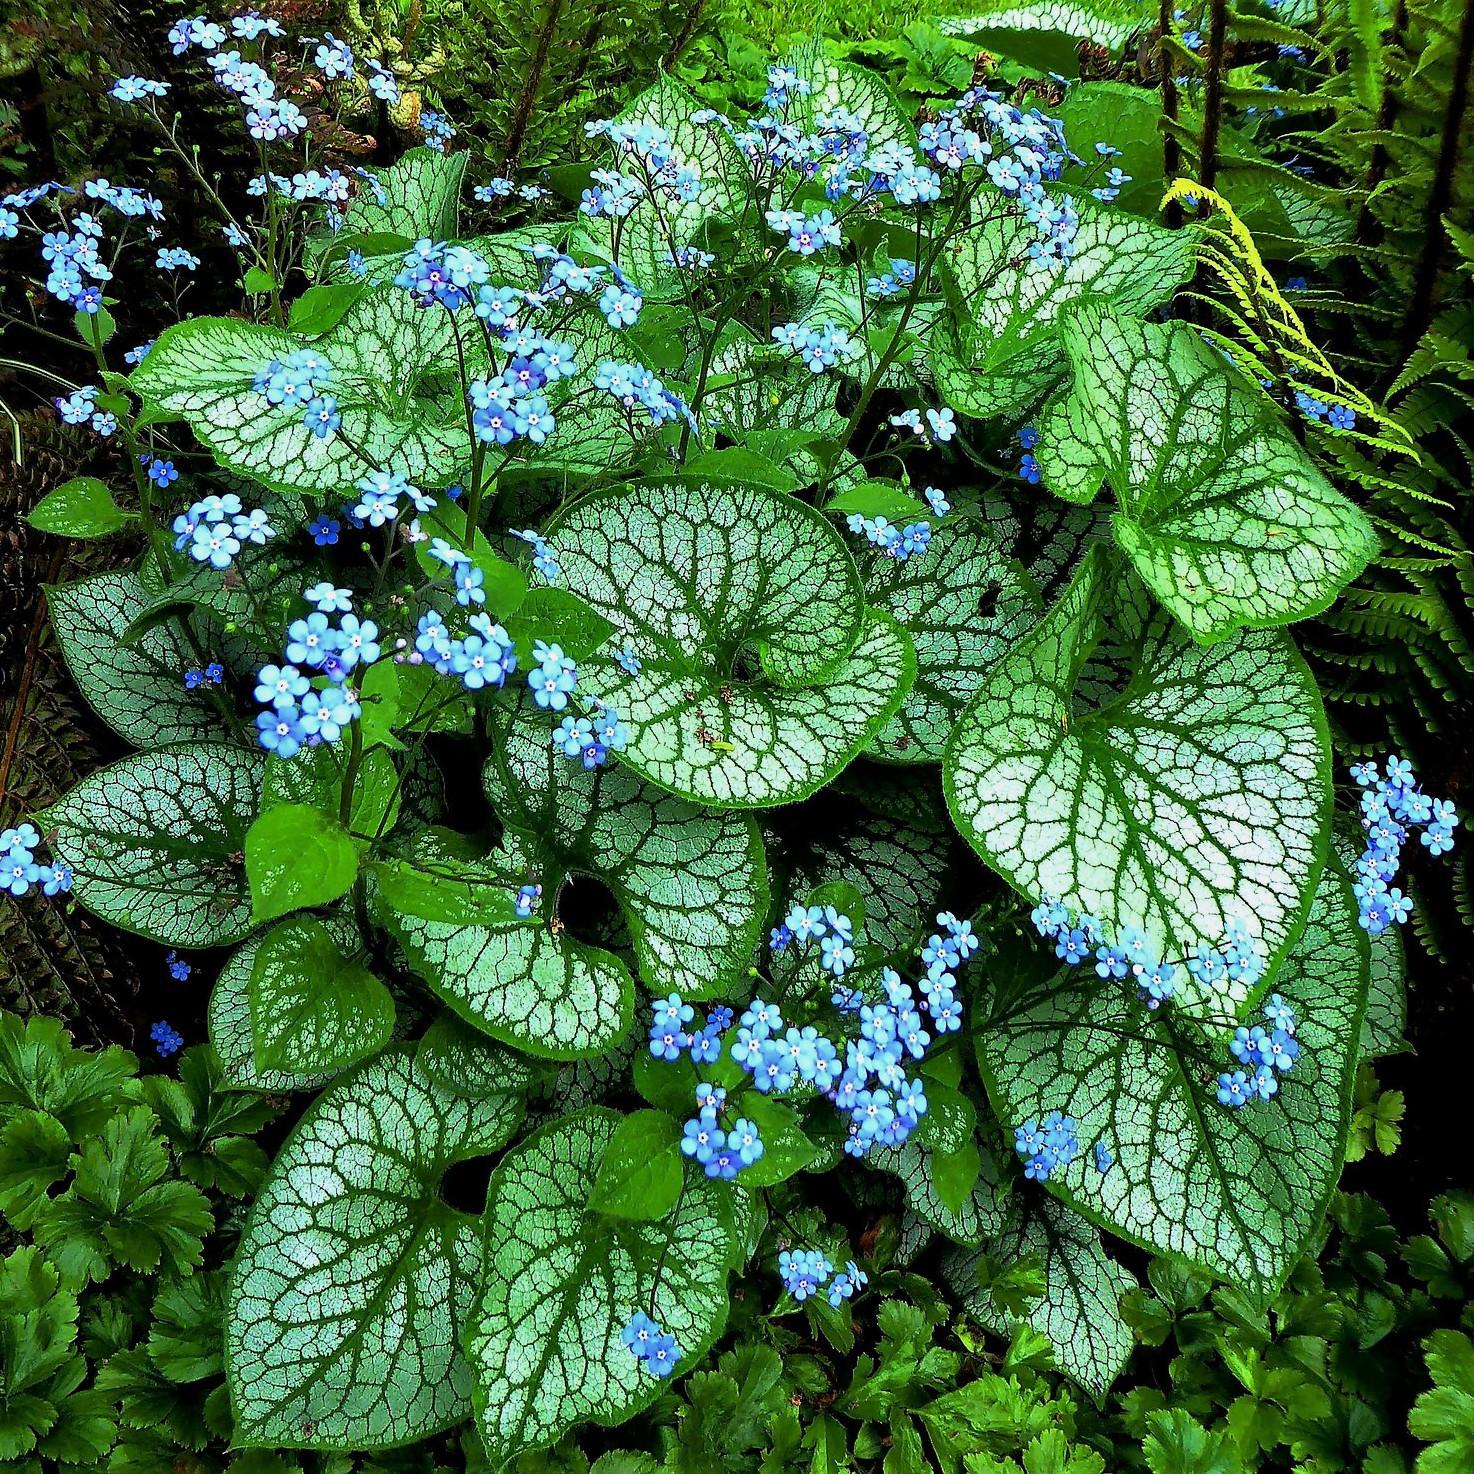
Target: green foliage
{"type": "Point", "coordinates": [666, 525]}
{"type": "Point", "coordinates": [116, 1194]}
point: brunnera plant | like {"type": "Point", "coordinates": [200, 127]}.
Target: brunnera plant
{"type": "Point", "coordinates": [541, 659]}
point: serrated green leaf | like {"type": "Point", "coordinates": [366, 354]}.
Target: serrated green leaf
{"type": "Point", "coordinates": [962, 603]}
{"type": "Point", "coordinates": [297, 856]}
{"type": "Point", "coordinates": [560, 1285]}
{"type": "Point", "coordinates": [1444, 1415]}
{"type": "Point", "coordinates": [157, 842]}
{"type": "Point", "coordinates": [682, 571]}
{"type": "Point", "coordinates": [313, 1011]}
{"type": "Point", "coordinates": [1194, 792]}
{"type": "Point", "coordinates": [353, 1277]}
{"type": "Point", "coordinates": [41, 1070]}
{"type": "Point", "coordinates": [1176, 1443]}
{"type": "Point", "coordinates": [691, 884]}
{"type": "Point", "coordinates": [1224, 516]}
{"type": "Point", "coordinates": [382, 352]}
{"type": "Point", "coordinates": [122, 1209]}
{"type": "Point", "coordinates": [1240, 1193]}
{"type": "Point", "coordinates": [1005, 350]}
{"type": "Point", "coordinates": [1083, 1285]}
{"type": "Point", "coordinates": [137, 689]}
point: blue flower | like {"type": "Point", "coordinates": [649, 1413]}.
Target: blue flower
{"type": "Point", "coordinates": [281, 731]}
{"type": "Point", "coordinates": [325, 530]}
{"type": "Point", "coordinates": [803, 1272]}
{"type": "Point", "coordinates": [656, 1351]}
{"type": "Point", "coordinates": [1046, 1147]}
{"type": "Point", "coordinates": [179, 969]}
{"type": "Point", "coordinates": [843, 1286]}
{"type": "Point", "coordinates": [743, 1138]}
{"type": "Point", "coordinates": [166, 1041]}
{"type": "Point", "coordinates": [162, 473]}
{"type": "Point", "coordinates": [1103, 1158]}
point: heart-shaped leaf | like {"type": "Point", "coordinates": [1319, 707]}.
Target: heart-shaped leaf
{"type": "Point", "coordinates": [692, 884]}
{"type": "Point", "coordinates": [521, 980]}
{"type": "Point", "coordinates": [353, 1278]}
{"type": "Point", "coordinates": [1080, 1311]}
{"type": "Point", "coordinates": [658, 225]}
{"type": "Point", "coordinates": [157, 842]}
{"type": "Point", "coordinates": [82, 507]}
{"type": "Point", "coordinates": [232, 1035]}
{"type": "Point", "coordinates": [982, 1214]}
{"type": "Point", "coordinates": [1240, 1192]}
{"type": "Point", "coordinates": [761, 672]}
{"type": "Point", "coordinates": [1224, 516]}
{"type": "Point", "coordinates": [385, 355]}
{"type": "Point", "coordinates": [313, 1011]}
{"type": "Point", "coordinates": [137, 688]}
{"type": "Point", "coordinates": [962, 602]}
{"type": "Point", "coordinates": [1195, 791]}
{"type": "Point", "coordinates": [297, 856]}
{"type": "Point", "coordinates": [1004, 351]}
{"type": "Point", "coordinates": [841, 86]}
{"type": "Point", "coordinates": [560, 1284]}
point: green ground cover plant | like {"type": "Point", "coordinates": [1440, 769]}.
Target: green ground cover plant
{"type": "Point", "coordinates": [727, 717]}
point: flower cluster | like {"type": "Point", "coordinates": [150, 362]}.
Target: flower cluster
{"type": "Point", "coordinates": [1028, 467]}
{"type": "Point", "coordinates": [1235, 966]}
{"type": "Point", "coordinates": [659, 170]}
{"type": "Point", "coordinates": [1022, 151]}
{"type": "Point", "coordinates": [805, 1272]}
{"type": "Point", "coordinates": [21, 872]}
{"type": "Point", "coordinates": [80, 408]}
{"type": "Point", "coordinates": [484, 656]}
{"type": "Point", "coordinates": [542, 555]}
{"type": "Point", "coordinates": [590, 740]}
{"type": "Point", "coordinates": [1392, 806]}
{"type": "Point", "coordinates": [825, 925]}
{"type": "Point", "coordinates": [197, 677]}
{"type": "Point", "coordinates": [1265, 1052]}
{"type": "Point", "coordinates": [1337, 416]}
{"type": "Point", "coordinates": [819, 348]}
{"type": "Point", "coordinates": [653, 1348]}
{"type": "Point", "coordinates": [214, 529]}
{"type": "Point", "coordinates": [77, 269]}
{"type": "Point", "coordinates": [633, 387]}
{"type": "Point", "coordinates": [669, 1037]}
{"type": "Point", "coordinates": [895, 542]}
{"type": "Point", "coordinates": [166, 1039]}
{"type": "Point", "coordinates": [298, 380]}
{"type": "Point", "coordinates": [893, 282]}
{"type": "Point", "coordinates": [306, 711]}
{"type": "Point", "coordinates": [179, 969]}
{"type": "Point", "coordinates": [936, 428]}
{"type": "Point", "coordinates": [1047, 1146]}
{"type": "Point", "coordinates": [722, 1150]}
